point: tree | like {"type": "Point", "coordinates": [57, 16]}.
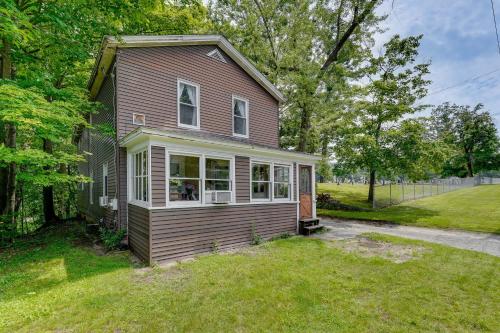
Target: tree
{"type": "Point", "coordinates": [298, 44]}
{"type": "Point", "coordinates": [373, 135]}
{"type": "Point", "coordinates": [472, 134]}
{"type": "Point", "coordinates": [47, 49]}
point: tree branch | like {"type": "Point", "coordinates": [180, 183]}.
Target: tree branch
{"type": "Point", "coordinates": [356, 21]}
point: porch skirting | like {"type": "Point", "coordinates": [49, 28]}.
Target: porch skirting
{"type": "Point", "coordinates": [161, 235]}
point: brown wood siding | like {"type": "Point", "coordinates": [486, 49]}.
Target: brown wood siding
{"type": "Point", "coordinates": [147, 84]}
{"type": "Point", "coordinates": [184, 232]}
{"type": "Point", "coordinates": [242, 175]}
{"type": "Point", "coordinates": [158, 180]}
{"type": "Point", "coordinates": [102, 148]}
{"type": "Point", "coordinates": [122, 187]}
{"type": "Point", "coordinates": [138, 231]}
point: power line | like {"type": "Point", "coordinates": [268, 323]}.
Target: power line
{"type": "Point", "coordinates": [463, 82]}
{"type": "Point", "coordinates": [495, 22]}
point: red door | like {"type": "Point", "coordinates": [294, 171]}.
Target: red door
{"type": "Point", "coordinates": [305, 191]}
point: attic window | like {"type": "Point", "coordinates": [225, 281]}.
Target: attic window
{"type": "Point", "coordinates": [139, 119]}
{"type": "Point", "coordinates": [216, 55]}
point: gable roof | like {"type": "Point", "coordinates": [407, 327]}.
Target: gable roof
{"type": "Point", "coordinates": [110, 44]}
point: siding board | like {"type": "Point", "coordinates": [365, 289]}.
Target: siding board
{"type": "Point", "coordinates": [158, 180]}
{"type": "Point", "coordinates": [148, 84]}
{"type": "Point", "coordinates": [183, 232]}
{"type": "Point", "coordinates": [138, 231]}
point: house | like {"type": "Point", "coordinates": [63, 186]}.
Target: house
{"type": "Point", "coordinates": [185, 151]}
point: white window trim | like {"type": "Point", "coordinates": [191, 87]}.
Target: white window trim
{"type": "Point", "coordinates": [132, 177]}
{"type": "Point", "coordinates": [290, 177]}
{"type": "Point", "coordinates": [197, 86]}
{"type": "Point", "coordinates": [202, 158]}
{"type": "Point", "coordinates": [134, 118]}
{"type": "Point", "coordinates": [247, 104]}
{"type": "Point", "coordinates": [271, 180]}
{"type": "Point", "coordinates": [231, 179]}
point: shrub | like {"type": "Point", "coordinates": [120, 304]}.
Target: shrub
{"type": "Point", "coordinates": [325, 201]}
{"type": "Point", "coordinates": [256, 238]}
{"type": "Point", "coordinates": [111, 238]}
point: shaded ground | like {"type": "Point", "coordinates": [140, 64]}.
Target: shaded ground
{"type": "Point", "coordinates": [472, 209]}
{"type": "Point", "coordinates": [348, 229]}
{"type": "Point", "coordinates": [290, 285]}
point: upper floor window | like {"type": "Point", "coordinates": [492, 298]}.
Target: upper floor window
{"type": "Point", "coordinates": [240, 117]}
{"type": "Point", "coordinates": [140, 175]}
{"type": "Point", "coordinates": [188, 98]}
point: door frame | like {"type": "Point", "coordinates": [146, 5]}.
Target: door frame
{"type": "Point", "coordinates": [313, 189]}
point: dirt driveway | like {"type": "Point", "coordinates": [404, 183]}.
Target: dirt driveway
{"type": "Point", "coordinates": [346, 229]}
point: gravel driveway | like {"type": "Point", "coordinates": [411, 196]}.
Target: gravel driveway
{"type": "Point", "coordinates": [482, 242]}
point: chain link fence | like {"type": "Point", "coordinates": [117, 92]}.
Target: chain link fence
{"type": "Point", "coordinates": [393, 193]}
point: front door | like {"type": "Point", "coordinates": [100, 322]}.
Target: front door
{"type": "Point", "coordinates": [305, 191]}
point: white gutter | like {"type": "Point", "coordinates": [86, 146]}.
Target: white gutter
{"type": "Point", "coordinates": [143, 133]}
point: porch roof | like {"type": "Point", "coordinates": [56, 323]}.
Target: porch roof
{"type": "Point", "coordinates": [213, 141]}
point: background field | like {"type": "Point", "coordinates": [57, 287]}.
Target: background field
{"type": "Point", "coordinates": [475, 209]}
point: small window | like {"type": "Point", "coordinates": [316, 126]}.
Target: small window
{"type": "Point", "coordinates": [240, 117]}
{"type": "Point", "coordinates": [139, 119]}
{"type": "Point", "coordinates": [188, 96]}
{"type": "Point", "coordinates": [281, 182]}
{"type": "Point", "coordinates": [140, 176]}
{"type": "Point", "coordinates": [261, 182]}
{"type": "Point", "coordinates": [184, 180]}
{"type": "Point", "coordinates": [105, 180]}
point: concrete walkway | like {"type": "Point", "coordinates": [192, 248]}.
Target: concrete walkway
{"type": "Point", "coordinates": [482, 242]}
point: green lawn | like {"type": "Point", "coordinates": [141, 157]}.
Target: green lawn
{"type": "Point", "coordinates": [292, 285]}
{"type": "Point", "coordinates": [474, 209]}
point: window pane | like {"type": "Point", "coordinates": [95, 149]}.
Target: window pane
{"type": "Point", "coordinates": [216, 169]}
{"type": "Point", "coordinates": [184, 166]}
{"type": "Point", "coordinates": [240, 126]}
{"type": "Point", "coordinates": [260, 190]}
{"type": "Point", "coordinates": [145, 188]}
{"type": "Point", "coordinates": [145, 163]}
{"type": "Point", "coordinates": [281, 174]}
{"type": "Point", "coordinates": [188, 115]}
{"type": "Point", "coordinates": [184, 189]}
{"type": "Point", "coordinates": [240, 108]}
{"type": "Point", "coordinates": [260, 172]}
{"type": "Point", "coordinates": [188, 94]}
{"type": "Point", "coordinates": [281, 190]}
{"type": "Point", "coordinates": [217, 185]}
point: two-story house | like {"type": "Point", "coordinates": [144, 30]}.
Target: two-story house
{"type": "Point", "coordinates": [194, 161]}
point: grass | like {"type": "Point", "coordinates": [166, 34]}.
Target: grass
{"type": "Point", "coordinates": [473, 209]}
{"type": "Point", "coordinates": [53, 284]}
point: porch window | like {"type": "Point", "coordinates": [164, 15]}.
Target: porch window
{"type": "Point", "coordinates": [281, 182]}
{"type": "Point", "coordinates": [240, 117]}
{"type": "Point", "coordinates": [217, 175]}
{"type": "Point", "coordinates": [140, 176]}
{"type": "Point", "coordinates": [188, 97]}
{"type": "Point", "coordinates": [261, 181]}
{"type": "Point", "coordinates": [184, 181]}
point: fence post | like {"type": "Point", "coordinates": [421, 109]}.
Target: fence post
{"type": "Point", "coordinates": [390, 193]}
{"type": "Point", "coordinates": [402, 191]}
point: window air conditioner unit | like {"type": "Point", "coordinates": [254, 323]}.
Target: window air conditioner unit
{"type": "Point", "coordinates": [103, 201]}
{"type": "Point", "coordinates": [218, 197]}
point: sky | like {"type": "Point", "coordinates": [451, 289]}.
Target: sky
{"type": "Point", "coordinates": [459, 40]}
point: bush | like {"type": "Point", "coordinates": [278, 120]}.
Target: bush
{"type": "Point", "coordinates": [256, 238]}
{"type": "Point", "coordinates": [111, 238]}
{"type": "Point", "coordinates": [325, 201]}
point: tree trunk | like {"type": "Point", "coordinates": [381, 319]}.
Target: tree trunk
{"type": "Point", "coordinates": [305, 126]}
{"type": "Point", "coordinates": [8, 173]}
{"type": "Point", "coordinates": [48, 192]}
{"type": "Point", "coordinates": [371, 191]}
{"type": "Point", "coordinates": [470, 170]}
